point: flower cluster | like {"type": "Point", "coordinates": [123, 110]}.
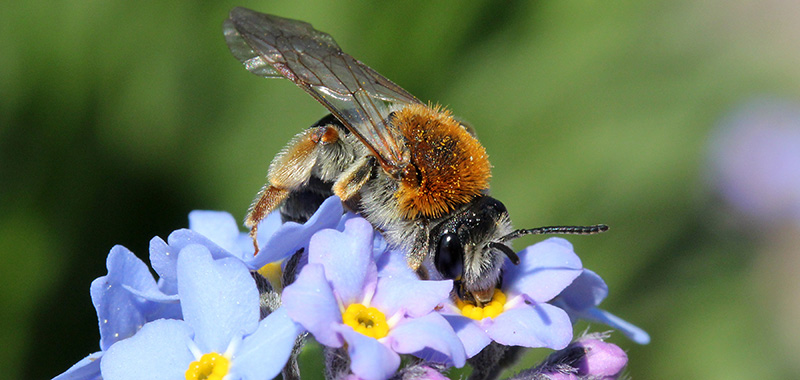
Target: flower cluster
{"type": "Point", "coordinates": [219, 311]}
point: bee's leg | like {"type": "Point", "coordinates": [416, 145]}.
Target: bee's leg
{"type": "Point", "coordinates": [421, 247]}
{"type": "Point", "coordinates": [350, 182]}
{"type": "Point", "coordinates": [289, 170]}
{"type": "Point", "coordinates": [267, 200]}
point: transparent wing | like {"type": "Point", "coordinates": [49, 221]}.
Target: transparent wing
{"type": "Point", "coordinates": [273, 47]}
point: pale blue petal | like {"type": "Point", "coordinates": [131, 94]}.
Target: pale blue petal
{"type": "Point", "coordinates": [155, 295]}
{"type": "Point", "coordinates": [369, 358]}
{"type": "Point", "coordinates": [539, 325]}
{"type": "Point", "coordinates": [431, 331]}
{"type": "Point", "coordinates": [560, 241]}
{"type": "Point", "coordinates": [310, 302]}
{"type": "Point", "coordinates": [394, 264]}
{"type": "Point", "coordinates": [347, 259]}
{"type": "Point", "coordinates": [345, 217]}
{"type": "Point", "coordinates": [217, 226]}
{"type": "Point", "coordinates": [164, 257]}
{"type": "Point", "coordinates": [159, 351]}
{"type": "Point", "coordinates": [415, 297]}
{"type": "Point", "coordinates": [263, 354]}
{"type": "Point", "coordinates": [181, 238]}
{"type": "Point", "coordinates": [121, 313]}
{"type": "Point", "coordinates": [125, 269]}
{"type": "Point", "coordinates": [588, 290]}
{"type": "Point", "coordinates": [631, 331]}
{"type": "Point", "coordinates": [86, 369]}
{"type": "Point", "coordinates": [470, 333]}
{"type": "Point", "coordinates": [379, 246]}
{"type": "Point", "coordinates": [545, 269]}
{"type": "Point", "coordinates": [219, 297]}
{"type": "Point", "coordinates": [580, 299]}
{"type": "Point", "coordinates": [293, 236]}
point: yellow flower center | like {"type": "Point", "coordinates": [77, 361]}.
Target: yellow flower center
{"type": "Point", "coordinates": [273, 273]}
{"type": "Point", "coordinates": [491, 310]}
{"type": "Point", "coordinates": [368, 321]}
{"type": "Point", "coordinates": [211, 366]}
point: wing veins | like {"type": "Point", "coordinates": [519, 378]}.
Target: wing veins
{"type": "Point", "coordinates": [358, 96]}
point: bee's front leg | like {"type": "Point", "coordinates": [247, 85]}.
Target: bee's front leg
{"type": "Point", "coordinates": [421, 248]}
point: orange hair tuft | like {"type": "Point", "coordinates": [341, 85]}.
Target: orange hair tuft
{"type": "Point", "coordinates": [448, 166]}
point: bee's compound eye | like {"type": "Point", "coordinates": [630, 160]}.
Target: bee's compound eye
{"type": "Point", "coordinates": [449, 259]}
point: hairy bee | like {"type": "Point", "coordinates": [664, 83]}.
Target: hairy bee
{"type": "Point", "coordinates": [412, 170]}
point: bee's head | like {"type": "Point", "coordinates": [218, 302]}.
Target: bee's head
{"type": "Point", "coordinates": [468, 249]}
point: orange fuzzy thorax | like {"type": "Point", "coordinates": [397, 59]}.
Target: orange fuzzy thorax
{"type": "Point", "coordinates": [448, 166]}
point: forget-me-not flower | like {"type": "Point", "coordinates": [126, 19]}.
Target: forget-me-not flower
{"type": "Point", "coordinates": [519, 314]}
{"type": "Point", "coordinates": [340, 298]}
{"type": "Point", "coordinates": [220, 336]}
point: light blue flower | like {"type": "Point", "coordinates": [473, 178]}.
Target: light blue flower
{"type": "Point", "coordinates": [220, 306]}
{"type": "Point", "coordinates": [125, 299]}
{"type": "Point", "coordinates": [219, 233]}
{"type": "Point", "coordinates": [341, 278]}
{"type": "Point", "coordinates": [524, 318]}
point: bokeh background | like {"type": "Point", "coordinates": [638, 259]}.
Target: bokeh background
{"type": "Point", "coordinates": [675, 122]}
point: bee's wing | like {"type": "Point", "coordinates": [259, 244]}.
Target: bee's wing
{"type": "Point", "coordinates": [274, 47]}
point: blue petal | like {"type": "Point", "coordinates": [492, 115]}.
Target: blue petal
{"type": "Point", "coordinates": [263, 354]}
{"type": "Point", "coordinates": [121, 313]}
{"type": "Point", "coordinates": [292, 236]}
{"type": "Point", "coordinates": [219, 298]}
{"type": "Point", "coordinates": [546, 268]}
{"type": "Point", "coordinates": [431, 331]}
{"type": "Point", "coordinates": [632, 332]}
{"type": "Point", "coordinates": [345, 217]}
{"type": "Point", "coordinates": [580, 299]}
{"type": "Point", "coordinates": [181, 238]}
{"type": "Point", "coordinates": [415, 297]}
{"type": "Point", "coordinates": [158, 351]}
{"type": "Point", "coordinates": [347, 259]}
{"type": "Point", "coordinates": [86, 369]}
{"type": "Point", "coordinates": [168, 287]}
{"type": "Point", "coordinates": [394, 264]}
{"type": "Point", "coordinates": [379, 245]}
{"type": "Point", "coordinates": [126, 269]}
{"type": "Point", "coordinates": [164, 257]}
{"type": "Point", "coordinates": [469, 332]}
{"type": "Point", "coordinates": [310, 302]}
{"type": "Point", "coordinates": [369, 358]}
{"type": "Point", "coordinates": [539, 325]}
{"type": "Point", "coordinates": [588, 290]}
{"type": "Point", "coordinates": [152, 294]}
{"type": "Point", "coordinates": [217, 226]}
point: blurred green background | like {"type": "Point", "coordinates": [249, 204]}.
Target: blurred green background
{"type": "Point", "coordinates": [118, 118]}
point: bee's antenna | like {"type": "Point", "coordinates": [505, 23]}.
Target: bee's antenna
{"type": "Point", "coordinates": [506, 250]}
{"type": "Point", "coordinates": [565, 230]}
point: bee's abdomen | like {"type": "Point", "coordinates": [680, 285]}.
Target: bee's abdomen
{"type": "Point", "coordinates": [448, 166]}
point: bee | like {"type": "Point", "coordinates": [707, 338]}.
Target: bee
{"type": "Point", "coordinates": [412, 170]}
